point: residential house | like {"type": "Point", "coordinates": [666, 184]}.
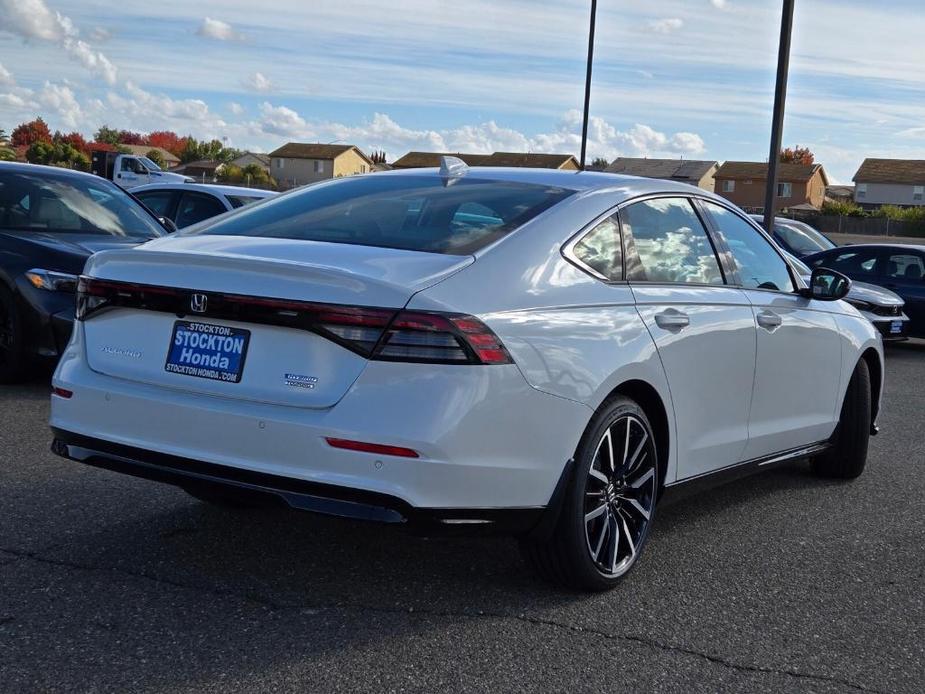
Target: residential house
{"type": "Point", "coordinates": [203, 170]}
{"type": "Point", "coordinates": [426, 160]}
{"type": "Point", "coordinates": [799, 186]}
{"type": "Point", "coordinates": [249, 158]}
{"type": "Point", "coordinates": [839, 193]}
{"type": "Point", "coordinates": [298, 163]}
{"type": "Point", "coordinates": [538, 160]}
{"type": "Point", "coordinates": [171, 160]}
{"type": "Point", "coordinates": [690, 171]}
{"type": "Point", "coordinates": [890, 182]}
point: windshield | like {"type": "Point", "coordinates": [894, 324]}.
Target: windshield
{"type": "Point", "coordinates": [151, 166]}
{"type": "Point", "coordinates": [76, 204]}
{"type": "Point", "coordinates": [803, 238]}
{"type": "Point", "coordinates": [798, 265]}
{"type": "Point", "coordinates": [419, 213]}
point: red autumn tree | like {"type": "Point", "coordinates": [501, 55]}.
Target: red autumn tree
{"type": "Point", "coordinates": [127, 137]}
{"type": "Point", "coordinates": [797, 155]}
{"type": "Point", "coordinates": [25, 134]}
{"type": "Point", "coordinates": [75, 140]}
{"type": "Point", "coordinates": [166, 139]}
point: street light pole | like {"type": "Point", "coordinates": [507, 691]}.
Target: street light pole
{"type": "Point", "coordinates": [777, 122]}
{"type": "Point", "coordinates": [584, 124]}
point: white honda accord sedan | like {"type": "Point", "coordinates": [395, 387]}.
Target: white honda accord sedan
{"type": "Point", "coordinates": [543, 352]}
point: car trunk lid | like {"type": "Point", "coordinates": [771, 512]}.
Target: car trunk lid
{"type": "Point", "coordinates": [269, 320]}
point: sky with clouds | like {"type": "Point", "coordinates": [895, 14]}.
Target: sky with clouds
{"type": "Point", "coordinates": [678, 78]}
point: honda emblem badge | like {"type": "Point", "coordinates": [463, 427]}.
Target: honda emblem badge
{"type": "Point", "coordinates": [198, 303]}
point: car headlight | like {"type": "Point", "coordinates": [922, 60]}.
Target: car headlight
{"type": "Point", "coordinates": [860, 305]}
{"type": "Point", "coordinates": [52, 280]}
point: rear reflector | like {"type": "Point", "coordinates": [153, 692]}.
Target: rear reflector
{"type": "Point", "coordinates": [377, 448]}
{"type": "Point", "coordinates": [62, 392]}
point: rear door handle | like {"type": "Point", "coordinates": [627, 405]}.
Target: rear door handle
{"type": "Point", "coordinates": [769, 319]}
{"type": "Point", "coordinates": [672, 319]}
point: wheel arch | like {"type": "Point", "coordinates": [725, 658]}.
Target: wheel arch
{"type": "Point", "coordinates": [647, 397]}
{"type": "Point", "coordinates": [875, 367]}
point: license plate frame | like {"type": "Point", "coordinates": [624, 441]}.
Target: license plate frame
{"type": "Point", "coordinates": [202, 356]}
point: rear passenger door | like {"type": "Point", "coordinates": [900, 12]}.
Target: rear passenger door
{"type": "Point", "coordinates": [162, 203]}
{"type": "Point", "coordinates": [703, 329]}
{"type": "Point", "coordinates": [195, 207]}
{"type": "Point", "coordinates": [799, 348]}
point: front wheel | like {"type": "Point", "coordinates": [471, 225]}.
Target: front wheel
{"type": "Point", "coordinates": [847, 457]}
{"type": "Point", "coordinates": [609, 506]}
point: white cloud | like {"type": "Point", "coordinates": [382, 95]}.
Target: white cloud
{"type": "Point", "coordinates": [259, 83]}
{"type": "Point", "coordinates": [218, 30]}
{"type": "Point", "coordinates": [60, 100]}
{"type": "Point", "coordinates": [100, 34]}
{"type": "Point", "coordinates": [383, 132]}
{"type": "Point", "coordinates": [33, 20]}
{"type": "Point", "coordinates": [13, 101]}
{"type": "Point", "coordinates": [6, 77]}
{"type": "Point", "coordinates": [235, 108]}
{"type": "Point", "coordinates": [719, 4]}
{"type": "Point", "coordinates": [666, 26]}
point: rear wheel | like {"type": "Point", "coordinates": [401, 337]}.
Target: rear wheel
{"type": "Point", "coordinates": [609, 506]}
{"type": "Point", "coordinates": [15, 364]}
{"type": "Point", "coordinates": [848, 455]}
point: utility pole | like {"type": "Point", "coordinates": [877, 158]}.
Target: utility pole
{"type": "Point", "coordinates": [777, 122]}
{"type": "Point", "coordinates": [584, 125]}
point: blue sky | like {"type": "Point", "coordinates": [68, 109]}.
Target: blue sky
{"type": "Point", "coordinates": [691, 78]}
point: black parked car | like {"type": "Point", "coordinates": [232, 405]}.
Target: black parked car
{"type": "Point", "coordinates": [51, 221]}
{"type": "Point", "coordinates": [797, 238]}
{"type": "Point", "coordinates": [899, 268]}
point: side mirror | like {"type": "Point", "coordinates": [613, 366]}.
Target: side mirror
{"type": "Point", "coordinates": [827, 285]}
{"type": "Point", "coordinates": [168, 224]}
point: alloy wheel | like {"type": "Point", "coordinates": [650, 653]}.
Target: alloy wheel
{"type": "Point", "coordinates": [620, 495]}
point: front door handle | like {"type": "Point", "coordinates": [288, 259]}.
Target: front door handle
{"type": "Point", "coordinates": [769, 319]}
{"type": "Point", "coordinates": [672, 319]}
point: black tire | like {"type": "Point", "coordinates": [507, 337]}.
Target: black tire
{"type": "Point", "coordinates": [230, 498]}
{"type": "Point", "coordinates": [15, 362]}
{"type": "Point", "coordinates": [628, 496]}
{"type": "Point", "coordinates": [848, 455]}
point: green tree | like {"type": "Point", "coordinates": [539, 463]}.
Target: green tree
{"type": "Point", "coordinates": [106, 134]}
{"type": "Point", "coordinates": [255, 175]}
{"type": "Point", "coordinates": [7, 154]}
{"type": "Point", "coordinates": [157, 158]}
{"type": "Point", "coordinates": [4, 138]}
{"type": "Point", "coordinates": [599, 164]}
{"type": "Point", "coordinates": [230, 174]}
{"type": "Point", "coordinates": [57, 154]}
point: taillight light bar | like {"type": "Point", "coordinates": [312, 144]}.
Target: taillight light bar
{"type": "Point", "coordinates": [383, 334]}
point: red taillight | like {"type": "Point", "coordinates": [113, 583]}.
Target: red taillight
{"type": "Point", "coordinates": [62, 392]}
{"type": "Point", "coordinates": [385, 334]}
{"type": "Point", "coordinates": [441, 339]}
{"type": "Point", "coordinates": [377, 448]}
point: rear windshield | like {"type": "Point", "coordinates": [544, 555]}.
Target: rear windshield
{"type": "Point", "coordinates": [802, 238]}
{"type": "Point", "coordinates": [419, 213]}
{"type": "Point", "coordinates": [242, 200]}
{"type": "Point", "coordinates": [44, 201]}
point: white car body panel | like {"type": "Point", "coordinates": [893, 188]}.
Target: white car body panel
{"type": "Point", "coordinates": [490, 436]}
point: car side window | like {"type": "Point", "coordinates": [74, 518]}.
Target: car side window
{"type": "Point", "coordinates": [601, 251]}
{"type": "Point", "coordinates": [670, 242]}
{"type": "Point", "coordinates": [905, 266]}
{"type": "Point", "coordinates": [853, 262]}
{"type": "Point", "coordinates": [760, 266]}
{"type": "Point", "coordinates": [195, 207]}
{"type": "Point", "coordinates": [158, 201]}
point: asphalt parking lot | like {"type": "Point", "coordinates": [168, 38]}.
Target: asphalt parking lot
{"type": "Point", "coordinates": [781, 582]}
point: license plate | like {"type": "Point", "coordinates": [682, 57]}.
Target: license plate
{"type": "Point", "coordinates": [205, 350]}
{"type": "Point", "coordinates": [896, 327]}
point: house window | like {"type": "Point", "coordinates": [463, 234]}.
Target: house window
{"type": "Point", "coordinates": [918, 192]}
{"type": "Point", "coordinates": [784, 190]}
{"type": "Point", "coordinates": [280, 163]}
{"type": "Point", "coordinates": [729, 186]}
{"type": "Point", "coordinates": [319, 166]}
{"type": "Point", "coordinates": [861, 190]}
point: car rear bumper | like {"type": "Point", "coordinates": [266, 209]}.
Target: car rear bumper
{"type": "Point", "coordinates": [298, 494]}
{"type": "Point", "coordinates": [485, 439]}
